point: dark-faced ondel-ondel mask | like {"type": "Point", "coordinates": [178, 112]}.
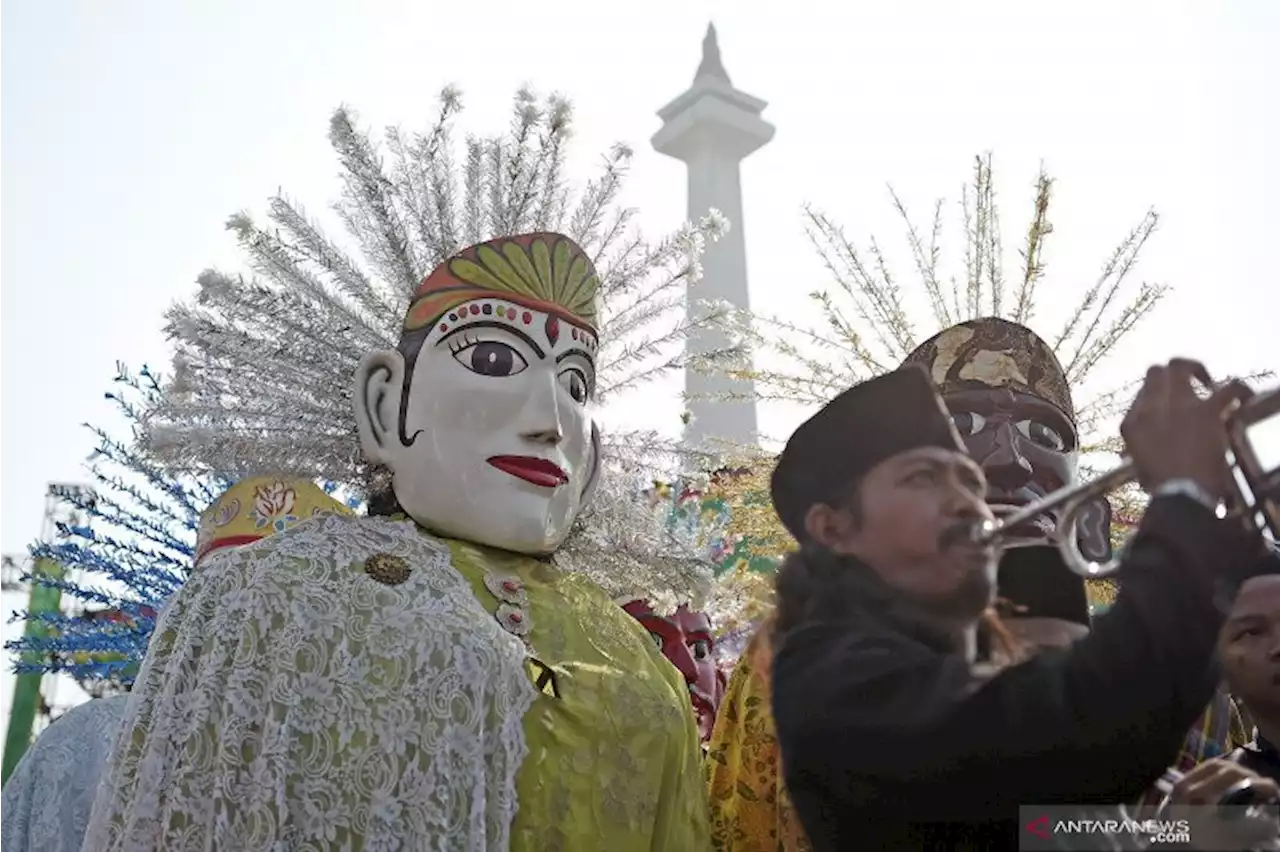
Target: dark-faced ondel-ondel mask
{"type": "Point", "coordinates": [1011, 404]}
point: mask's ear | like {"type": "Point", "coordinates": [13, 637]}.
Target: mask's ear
{"type": "Point", "coordinates": [593, 478]}
{"type": "Point", "coordinates": [379, 384]}
{"type": "Point", "coordinates": [1093, 530]}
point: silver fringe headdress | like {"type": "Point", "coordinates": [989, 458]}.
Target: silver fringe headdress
{"type": "Point", "coordinates": [262, 371]}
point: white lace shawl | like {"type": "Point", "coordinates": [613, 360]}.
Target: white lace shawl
{"type": "Point", "coordinates": [47, 800]}
{"type": "Point", "coordinates": [291, 701]}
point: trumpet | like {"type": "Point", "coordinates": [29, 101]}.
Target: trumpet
{"type": "Point", "coordinates": [1244, 810]}
{"type": "Point", "coordinates": [1241, 794]}
{"type": "Point", "coordinates": [1253, 444]}
{"type": "Point", "coordinates": [1243, 817]}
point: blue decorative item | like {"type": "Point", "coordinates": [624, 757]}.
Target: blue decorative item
{"type": "Point", "coordinates": [129, 552]}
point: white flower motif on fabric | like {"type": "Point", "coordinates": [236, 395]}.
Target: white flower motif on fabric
{"type": "Point", "coordinates": [273, 506]}
{"type": "Point", "coordinates": [290, 701]}
{"type": "Point", "coordinates": [48, 798]}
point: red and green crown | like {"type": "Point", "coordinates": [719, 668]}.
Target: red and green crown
{"type": "Point", "coordinates": [541, 271]}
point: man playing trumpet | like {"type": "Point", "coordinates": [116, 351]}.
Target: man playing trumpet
{"type": "Point", "coordinates": [1012, 405]}
{"type": "Point", "coordinates": [1010, 400]}
{"type": "Point", "coordinates": [888, 738]}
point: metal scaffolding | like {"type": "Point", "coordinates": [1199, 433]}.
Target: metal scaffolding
{"type": "Point", "coordinates": [35, 697]}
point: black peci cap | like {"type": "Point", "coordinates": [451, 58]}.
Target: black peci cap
{"type": "Point", "coordinates": [857, 430]}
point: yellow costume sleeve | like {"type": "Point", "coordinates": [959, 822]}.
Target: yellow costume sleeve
{"type": "Point", "coordinates": [750, 808]}
{"type": "Point", "coordinates": [682, 819]}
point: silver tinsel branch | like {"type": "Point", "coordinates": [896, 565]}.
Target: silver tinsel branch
{"type": "Point", "coordinates": [868, 329]}
{"type": "Point", "coordinates": [264, 359]}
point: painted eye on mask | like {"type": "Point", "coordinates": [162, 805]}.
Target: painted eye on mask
{"type": "Point", "coordinates": [701, 649]}
{"type": "Point", "coordinates": [1045, 436]}
{"type": "Point", "coordinates": [575, 382]}
{"type": "Point", "coordinates": [489, 358]}
{"type": "Point", "coordinates": [968, 422]}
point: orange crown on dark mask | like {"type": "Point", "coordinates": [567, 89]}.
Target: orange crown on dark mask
{"type": "Point", "coordinates": [994, 353]}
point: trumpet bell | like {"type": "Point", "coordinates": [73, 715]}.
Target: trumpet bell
{"type": "Point", "coordinates": [1253, 433]}
{"type": "Point", "coordinates": [1253, 442]}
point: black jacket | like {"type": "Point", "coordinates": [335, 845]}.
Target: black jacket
{"type": "Point", "coordinates": [889, 741]}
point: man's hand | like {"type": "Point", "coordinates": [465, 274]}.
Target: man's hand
{"type": "Point", "coordinates": [1196, 796]}
{"type": "Point", "coordinates": [1209, 782]}
{"type": "Point", "coordinates": [1172, 434]}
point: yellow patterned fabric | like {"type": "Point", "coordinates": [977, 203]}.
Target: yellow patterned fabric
{"type": "Point", "coordinates": [750, 808]}
{"type": "Point", "coordinates": [257, 507]}
{"type": "Point", "coordinates": [1218, 732]}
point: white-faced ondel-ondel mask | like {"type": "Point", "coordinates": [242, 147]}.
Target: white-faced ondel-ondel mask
{"type": "Point", "coordinates": [483, 413]}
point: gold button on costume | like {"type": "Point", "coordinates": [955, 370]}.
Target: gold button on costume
{"type": "Point", "coordinates": [386, 569]}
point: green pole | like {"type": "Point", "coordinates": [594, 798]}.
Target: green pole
{"type": "Point", "coordinates": [26, 693]}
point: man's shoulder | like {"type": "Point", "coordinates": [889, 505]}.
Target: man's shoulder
{"type": "Point", "coordinates": [869, 639]}
{"type": "Point", "coordinates": [830, 661]}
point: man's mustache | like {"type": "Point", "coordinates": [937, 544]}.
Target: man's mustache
{"type": "Point", "coordinates": [961, 532]}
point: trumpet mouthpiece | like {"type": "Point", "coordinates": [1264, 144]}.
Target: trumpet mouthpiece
{"type": "Point", "coordinates": [984, 532]}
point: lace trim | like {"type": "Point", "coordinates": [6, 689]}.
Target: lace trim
{"type": "Point", "coordinates": [289, 700]}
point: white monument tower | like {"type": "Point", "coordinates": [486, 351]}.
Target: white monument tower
{"type": "Point", "coordinates": [712, 127]}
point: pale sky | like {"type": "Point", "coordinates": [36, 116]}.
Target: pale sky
{"type": "Point", "coordinates": [132, 130]}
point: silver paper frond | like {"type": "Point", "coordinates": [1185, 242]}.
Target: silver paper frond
{"type": "Point", "coordinates": [629, 545]}
{"type": "Point", "coordinates": [264, 360]}
{"type": "Point", "coordinates": [868, 329]}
